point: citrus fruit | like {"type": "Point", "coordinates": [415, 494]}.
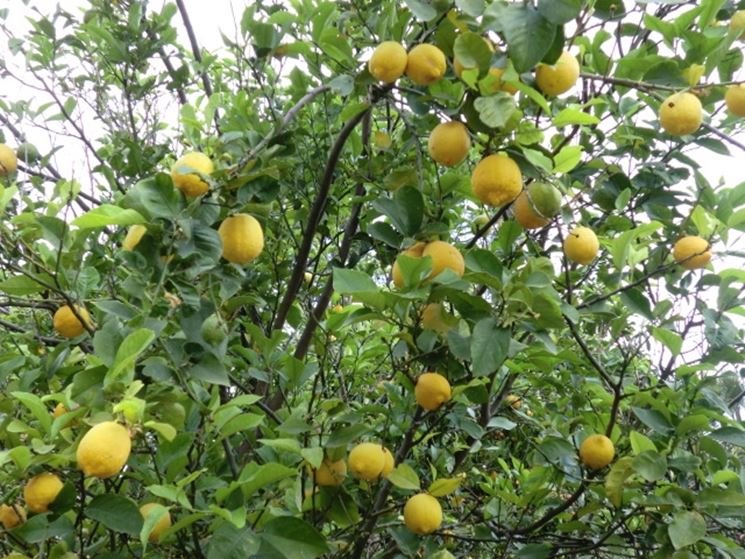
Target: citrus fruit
{"type": "Point", "coordinates": [12, 516]}
{"type": "Point", "coordinates": [692, 252]}
{"type": "Point", "coordinates": [432, 390]}
{"type": "Point", "coordinates": [185, 173]}
{"type": "Point", "coordinates": [737, 23]}
{"type": "Point", "coordinates": [67, 324]}
{"type": "Point", "coordinates": [242, 238]}
{"type": "Point", "coordinates": [433, 318]}
{"type": "Point", "coordinates": [497, 84]}
{"type": "Point", "coordinates": [444, 256]}
{"type": "Point", "coordinates": [161, 525]}
{"type": "Point", "coordinates": [104, 450]}
{"type": "Point", "coordinates": [514, 401]}
{"type": "Point", "coordinates": [681, 114]}
{"type": "Point", "coordinates": [560, 77]}
{"type": "Point", "coordinates": [422, 514]}
{"type": "Point", "coordinates": [536, 205]}
{"type": "Point", "coordinates": [388, 62]}
{"type": "Point", "coordinates": [414, 251]}
{"type": "Point", "coordinates": [367, 460]}
{"type": "Point", "coordinates": [40, 491]}
{"type": "Point", "coordinates": [581, 245]}
{"type": "Point", "coordinates": [134, 236]}
{"type": "Point", "coordinates": [329, 473]}
{"type": "Point", "coordinates": [213, 330]}
{"type": "Point", "coordinates": [28, 153]}
{"type": "Point", "coordinates": [59, 410]}
{"type": "Point", "coordinates": [425, 65]}
{"type": "Point", "coordinates": [449, 143]}
{"type": "Point", "coordinates": [734, 98]}
{"type": "Point", "coordinates": [389, 462]}
{"type": "Point", "coordinates": [596, 451]}
{"type": "Point", "coordinates": [382, 140]}
{"type": "Point", "coordinates": [496, 180]}
{"type": "Point", "coordinates": [8, 161]}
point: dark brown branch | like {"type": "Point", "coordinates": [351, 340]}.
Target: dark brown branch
{"type": "Point", "coordinates": [194, 45]}
{"type": "Point", "coordinates": [586, 350]}
{"type": "Point", "coordinates": [481, 232]}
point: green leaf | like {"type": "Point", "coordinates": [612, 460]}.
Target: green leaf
{"type": "Point", "coordinates": [129, 350]}
{"type": "Point", "coordinates": [115, 512]}
{"type": "Point", "coordinates": [574, 116]}
{"type": "Point", "coordinates": [650, 464]}
{"type": "Point", "coordinates": [210, 369]}
{"type": "Point", "coordinates": [473, 8]}
{"type": "Point", "coordinates": [155, 197]}
{"type": "Point", "coordinates": [108, 214]}
{"type": "Point", "coordinates": [529, 36]}
{"type": "Point", "coordinates": [24, 285]}
{"type": "Point", "coordinates": [154, 515]}
{"type": "Point", "coordinates": [287, 537]}
{"type": "Point", "coordinates": [722, 497]}
{"type": "Point", "coordinates": [229, 542]}
{"type": "Point", "coordinates": [686, 529]}
{"type": "Point", "coordinates": [567, 159]}
{"type": "Point", "coordinates": [538, 159]}
{"type": "Point", "coordinates": [640, 443]}
{"type": "Point", "coordinates": [472, 51]}
{"type": "Point", "coordinates": [405, 210]}
{"type": "Point", "coordinates": [313, 456]}
{"type": "Point", "coordinates": [614, 481]}
{"type": "Point", "coordinates": [36, 407]}
{"type": "Point", "coordinates": [444, 486]}
{"type": "Point", "coordinates": [622, 245]}
{"type": "Point", "coordinates": [695, 422]}
{"type": "Point", "coordinates": [166, 430]}
{"type": "Point", "coordinates": [731, 435]}
{"type": "Point", "coordinates": [41, 527]}
{"type": "Point", "coordinates": [489, 346]}
{"type": "Point", "coordinates": [345, 435]}
{"type": "Point", "coordinates": [352, 281]}
{"type": "Point", "coordinates": [495, 110]}
{"type": "Point", "coordinates": [653, 419]}
{"type": "Point", "coordinates": [672, 341]}
{"type": "Point", "coordinates": [559, 11]}
{"type": "Point", "coordinates": [404, 477]}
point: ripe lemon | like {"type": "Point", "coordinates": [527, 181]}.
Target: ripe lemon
{"type": "Point", "coordinates": [525, 215]}
{"type": "Point", "coordinates": [735, 98]}
{"type": "Point", "coordinates": [444, 256]}
{"type": "Point", "coordinates": [59, 410]}
{"type": "Point", "coordinates": [161, 525]}
{"type": "Point", "coordinates": [581, 245]}
{"type": "Point", "coordinates": [422, 514]}
{"type": "Point", "coordinates": [692, 252]}
{"type": "Point", "coordinates": [388, 62]}
{"type": "Point", "coordinates": [449, 143]}
{"type": "Point", "coordinates": [496, 180]}
{"type": "Point", "coordinates": [185, 173]}
{"type": "Point", "coordinates": [134, 236]}
{"type": "Point", "coordinates": [536, 205]}
{"type": "Point", "coordinates": [514, 401]}
{"type": "Point", "coordinates": [67, 324]}
{"type": "Point", "coordinates": [389, 462]}
{"type": "Point", "coordinates": [242, 238]}
{"type": "Point", "coordinates": [596, 451]}
{"type": "Point", "coordinates": [433, 319]}
{"type": "Point", "coordinates": [558, 78]}
{"type": "Point", "coordinates": [40, 491]}
{"type": "Point", "coordinates": [432, 390]}
{"type": "Point", "coordinates": [425, 65]}
{"type": "Point", "coordinates": [330, 474]}
{"type": "Point", "coordinates": [737, 23]}
{"type": "Point", "coordinates": [681, 114]}
{"type": "Point", "coordinates": [12, 516]}
{"type": "Point", "coordinates": [104, 450]}
{"type": "Point", "coordinates": [8, 161]}
{"type": "Point", "coordinates": [414, 251]}
{"type": "Point", "coordinates": [367, 460]}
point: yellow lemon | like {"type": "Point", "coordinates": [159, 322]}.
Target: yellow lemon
{"type": "Point", "coordinates": [104, 450]}
{"type": "Point", "coordinates": [422, 514]}
{"type": "Point", "coordinates": [59, 410]}
{"type": "Point", "coordinates": [40, 491]}
{"type": "Point", "coordinates": [581, 245]}
{"type": "Point", "coordinates": [524, 213]}
{"type": "Point", "coordinates": [737, 23]}
{"type": "Point", "coordinates": [425, 65]}
{"type": "Point", "coordinates": [432, 390]}
{"type": "Point", "coordinates": [12, 516]}
{"type": "Point", "coordinates": [382, 140]}
{"type": "Point", "coordinates": [444, 256]}
{"type": "Point", "coordinates": [389, 462]}
{"type": "Point", "coordinates": [388, 62]}
{"type": "Point", "coordinates": [242, 238]}
{"type": "Point", "coordinates": [134, 236]}
{"type": "Point", "coordinates": [692, 252]}
{"type": "Point", "coordinates": [514, 401]}
{"type": "Point", "coordinates": [433, 319]}
{"type": "Point", "coordinates": [67, 324]}
{"type": "Point", "coordinates": [558, 78]}
{"type": "Point", "coordinates": [8, 161]}
{"type": "Point", "coordinates": [536, 205]}
{"type": "Point", "coordinates": [681, 114]}
{"type": "Point", "coordinates": [596, 451]}
{"type": "Point", "coordinates": [496, 180]}
{"type": "Point", "coordinates": [185, 173]}
{"type": "Point", "coordinates": [414, 251]}
{"type": "Point", "coordinates": [329, 473]}
{"type": "Point", "coordinates": [367, 460]}
{"type": "Point", "coordinates": [449, 143]}
{"type": "Point", "coordinates": [735, 98]}
{"type": "Point", "coordinates": [161, 525]}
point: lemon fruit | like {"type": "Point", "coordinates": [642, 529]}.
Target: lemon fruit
{"type": "Point", "coordinates": [59, 410]}
{"type": "Point", "coordinates": [28, 153]}
{"type": "Point", "coordinates": [449, 143]}
{"type": "Point", "coordinates": [433, 318]}
{"type": "Point", "coordinates": [367, 460]}
{"type": "Point", "coordinates": [12, 516]}
{"type": "Point", "coordinates": [242, 238]}
{"type": "Point", "coordinates": [185, 173]}
{"type": "Point", "coordinates": [414, 251]}
{"type": "Point", "coordinates": [560, 77]}
{"type": "Point", "coordinates": [514, 401]}
{"type": "Point", "coordinates": [536, 205]}
{"type": "Point", "coordinates": [581, 245]}
{"type": "Point", "coordinates": [330, 474]}
{"type": "Point", "coordinates": [163, 523]}
{"type": "Point", "coordinates": [388, 62]}
{"type": "Point", "coordinates": [596, 451]}
{"type": "Point", "coordinates": [67, 324]}
{"type": "Point", "coordinates": [389, 462]}
{"type": "Point", "coordinates": [497, 84]}
{"type": "Point", "coordinates": [104, 450]}
{"type": "Point", "coordinates": [681, 114]}
{"type": "Point", "coordinates": [8, 161]}
{"type": "Point", "coordinates": [422, 514]}
{"type": "Point", "coordinates": [496, 180]}
{"type": "Point", "coordinates": [425, 65]}
{"type": "Point", "coordinates": [444, 256]}
{"type": "Point", "coordinates": [133, 237]}
{"type": "Point", "coordinates": [432, 390]}
{"type": "Point", "coordinates": [40, 491]}
{"type": "Point", "coordinates": [737, 23]}
{"type": "Point", "coordinates": [692, 252]}
{"type": "Point", "coordinates": [734, 98]}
